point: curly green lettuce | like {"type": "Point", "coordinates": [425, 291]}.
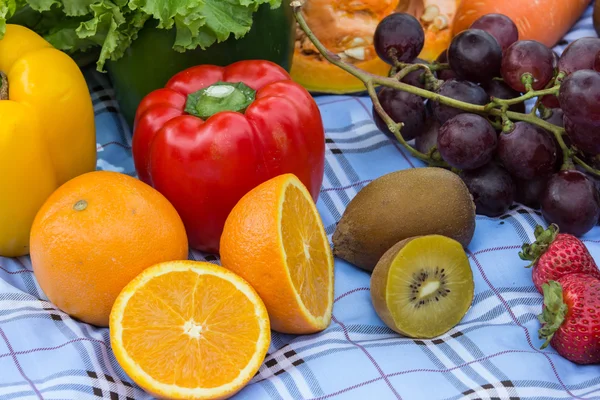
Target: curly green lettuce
{"type": "Point", "coordinates": [111, 26]}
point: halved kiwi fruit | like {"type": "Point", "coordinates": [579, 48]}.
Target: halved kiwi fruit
{"type": "Point", "coordinates": [423, 286]}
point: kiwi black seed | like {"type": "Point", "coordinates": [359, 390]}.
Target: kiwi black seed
{"type": "Point", "coordinates": [421, 278]}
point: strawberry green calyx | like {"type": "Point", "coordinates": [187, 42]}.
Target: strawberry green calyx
{"type": "Point", "coordinates": [555, 311]}
{"type": "Point", "coordinates": [543, 239]}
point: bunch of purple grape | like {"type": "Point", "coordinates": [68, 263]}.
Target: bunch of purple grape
{"type": "Point", "coordinates": [503, 161]}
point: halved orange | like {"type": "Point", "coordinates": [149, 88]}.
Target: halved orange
{"type": "Point", "coordinates": [274, 238]}
{"type": "Point", "coordinates": [189, 330]}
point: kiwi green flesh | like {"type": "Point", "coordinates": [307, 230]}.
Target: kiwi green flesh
{"type": "Point", "coordinates": [428, 286]}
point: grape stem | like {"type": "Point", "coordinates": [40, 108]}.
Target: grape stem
{"type": "Point", "coordinates": [496, 124]}
{"type": "Point", "coordinates": [497, 107]}
{"type": "Point", "coordinates": [585, 166]}
{"type": "Point", "coordinates": [432, 67]}
{"type": "Point", "coordinates": [431, 82]}
{"type": "Point", "coordinates": [526, 96]}
{"type": "Point", "coordinates": [407, 70]}
{"type": "Point", "coordinates": [507, 125]}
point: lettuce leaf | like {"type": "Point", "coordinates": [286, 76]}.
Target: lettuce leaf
{"type": "Point", "coordinates": [7, 9]}
{"type": "Point", "coordinates": [110, 26]}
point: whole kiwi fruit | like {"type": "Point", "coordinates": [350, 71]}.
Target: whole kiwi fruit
{"type": "Point", "coordinates": [403, 204]}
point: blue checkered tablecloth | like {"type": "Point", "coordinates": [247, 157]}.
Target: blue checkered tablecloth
{"type": "Point", "coordinates": [492, 354]}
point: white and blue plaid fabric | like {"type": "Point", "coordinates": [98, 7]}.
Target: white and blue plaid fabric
{"type": "Point", "coordinates": [492, 354]}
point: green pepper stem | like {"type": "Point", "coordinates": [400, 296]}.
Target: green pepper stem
{"type": "Point", "coordinates": [219, 97]}
{"type": "Point", "coordinates": [3, 86]}
{"type": "Point", "coordinates": [495, 108]}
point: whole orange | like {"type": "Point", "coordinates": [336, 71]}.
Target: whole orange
{"type": "Point", "coordinates": [97, 232]}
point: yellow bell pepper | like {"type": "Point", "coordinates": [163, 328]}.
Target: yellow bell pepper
{"type": "Point", "coordinates": [47, 131]}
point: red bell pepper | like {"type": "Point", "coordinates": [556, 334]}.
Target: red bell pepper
{"type": "Point", "coordinates": [213, 133]}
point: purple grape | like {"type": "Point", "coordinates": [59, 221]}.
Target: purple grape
{"type": "Point", "coordinates": [550, 101]}
{"type": "Point", "coordinates": [529, 192]}
{"type": "Point", "coordinates": [527, 57]}
{"type": "Point", "coordinates": [579, 55]}
{"type": "Point", "coordinates": [501, 90]}
{"type": "Point", "coordinates": [401, 107]}
{"type": "Point", "coordinates": [586, 137]}
{"type": "Point", "coordinates": [527, 152]}
{"type": "Point", "coordinates": [475, 55]}
{"type": "Point", "coordinates": [458, 90]}
{"type": "Point", "coordinates": [502, 28]}
{"type": "Point", "coordinates": [428, 139]}
{"type": "Point", "coordinates": [579, 97]}
{"type": "Point", "coordinates": [571, 201]}
{"type": "Point", "coordinates": [492, 188]}
{"type": "Point", "coordinates": [400, 36]}
{"type": "Point", "coordinates": [597, 62]}
{"type": "Point", "coordinates": [444, 74]}
{"type": "Point", "coordinates": [467, 141]}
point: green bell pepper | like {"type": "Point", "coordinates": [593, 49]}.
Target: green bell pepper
{"type": "Point", "coordinates": [150, 61]}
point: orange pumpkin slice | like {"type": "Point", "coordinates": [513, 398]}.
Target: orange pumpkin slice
{"type": "Point", "coordinates": [189, 330]}
{"type": "Point", "coordinates": [347, 28]}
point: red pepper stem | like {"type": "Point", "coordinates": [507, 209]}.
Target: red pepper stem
{"type": "Point", "coordinates": [3, 86]}
{"type": "Point", "coordinates": [219, 97]}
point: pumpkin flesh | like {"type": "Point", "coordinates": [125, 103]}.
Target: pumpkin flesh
{"type": "Point", "coordinates": [346, 28]}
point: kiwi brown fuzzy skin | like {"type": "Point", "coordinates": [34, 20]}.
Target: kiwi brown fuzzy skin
{"type": "Point", "coordinates": [378, 285]}
{"type": "Point", "coordinates": [400, 205]}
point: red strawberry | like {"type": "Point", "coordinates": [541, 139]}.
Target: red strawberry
{"type": "Point", "coordinates": [554, 255]}
{"type": "Point", "coordinates": [571, 318]}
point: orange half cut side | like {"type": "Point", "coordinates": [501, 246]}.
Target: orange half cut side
{"type": "Point", "coordinates": [189, 330]}
{"type": "Point", "coordinates": [307, 254]}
